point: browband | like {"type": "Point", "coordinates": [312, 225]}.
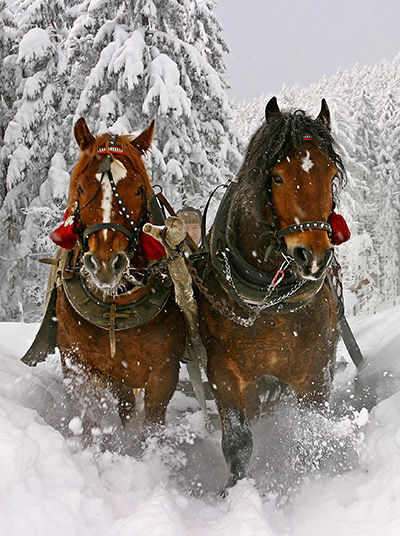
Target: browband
{"type": "Point", "coordinates": [110, 149]}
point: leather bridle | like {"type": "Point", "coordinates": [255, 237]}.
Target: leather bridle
{"type": "Point", "coordinates": [133, 234]}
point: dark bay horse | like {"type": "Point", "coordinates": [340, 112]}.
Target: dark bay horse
{"type": "Point", "coordinates": [114, 327]}
{"type": "Point", "coordinates": [266, 307]}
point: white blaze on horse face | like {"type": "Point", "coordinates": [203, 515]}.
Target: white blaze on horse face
{"type": "Point", "coordinates": [118, 171]}
{"type": "Point", "coordinates": [307, 163]}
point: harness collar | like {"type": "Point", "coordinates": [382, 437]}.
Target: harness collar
{"type": "Point", "coordinates": [245, 283]}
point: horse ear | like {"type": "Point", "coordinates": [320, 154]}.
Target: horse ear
{"type": "Point", "coordinates": [324, 115]}
{"type": "Point", "coordinates": [271, 109]}
{"type": "Point", "coordinates": [143, 141]}
{"type": "Point", "coordinates": [82, 134]}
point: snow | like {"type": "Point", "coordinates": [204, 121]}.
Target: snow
{"type": "Point", "coordinates": [311, 474]}
{"type": "Point", "coordinates": [130, 59]}
{"type": "Point", "coordinates": [35, 45]}
{"type": "Point", "coordinates": [165, 86]}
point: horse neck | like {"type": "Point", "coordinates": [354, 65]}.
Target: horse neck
{"type": "Point", "coordinates": [251, 231]}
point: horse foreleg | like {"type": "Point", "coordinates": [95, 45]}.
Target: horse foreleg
{"type": "Point", "coordinates": [237, 441]}
{"type": "Point", "coordinates": [252, 402]}
{"type": "Point", "coordinates": [159, 389]}
{"type": "Point", "coordinates": [126, 401]}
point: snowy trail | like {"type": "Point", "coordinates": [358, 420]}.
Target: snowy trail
{"type": "Point", "coordinates": [312, 475]}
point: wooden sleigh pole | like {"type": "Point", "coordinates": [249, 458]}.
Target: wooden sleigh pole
{"type": "Point", "coordinates": [172, 236]}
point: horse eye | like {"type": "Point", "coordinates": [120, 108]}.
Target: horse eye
{"type": "Point", "coordinates": [139, 192]}
{"type": "Point", "coordinates": [277, 179]}
{"type": "Point", "coordinates": [81, 190]}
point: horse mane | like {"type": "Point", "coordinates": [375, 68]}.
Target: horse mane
{"type": "Point", "coordinates": [274, 140]}
{"type": "Point", "coordinates": [87, 156]}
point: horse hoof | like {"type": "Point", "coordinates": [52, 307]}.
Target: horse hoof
{"type": "Point", "coordinates": [223, 493]}
{"type": "Point", "coordinates": [232, 481]}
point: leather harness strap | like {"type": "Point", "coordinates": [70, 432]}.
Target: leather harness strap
{"type": "Point", "coordinates": [304, 226]}
{"type": "Point", "coordinates": [101, 226]}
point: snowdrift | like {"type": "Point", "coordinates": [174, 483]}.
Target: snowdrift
{"type": "Point", "coordinates": [311, 474]}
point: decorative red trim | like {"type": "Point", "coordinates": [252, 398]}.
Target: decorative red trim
{"type": "Point", "coordinates": [151, 247]}
{"type": "Point", "coordinates": [65, 235]}
{"type": "Point", "coordinates": [340, 230]}
{"type": "Point", "coordinates": [107, 150]}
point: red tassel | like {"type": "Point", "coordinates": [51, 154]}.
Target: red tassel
{"type": "Point", "coordinates": [151, 247]}
{"type": "Point", "coordinates": [340, 231]}
{"type": "Point", "coordinates": [65, 236]}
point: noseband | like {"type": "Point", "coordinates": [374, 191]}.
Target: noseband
{"type": "Point", "coordinates": [133, 235]}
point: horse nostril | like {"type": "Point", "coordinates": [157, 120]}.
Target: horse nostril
{"type": "Point", "coordinates": [302, 255]}
{"type": "Point", "coordinates": [91, 262]}
{"type": "Point", "coordinates": [118, 263]}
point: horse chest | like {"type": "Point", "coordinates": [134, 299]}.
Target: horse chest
{"type": "Point", "coordinates": [286, 345]}
{"type": "Point", "coordinates": [139, 351]}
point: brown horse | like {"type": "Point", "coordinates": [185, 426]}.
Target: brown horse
{"type": "Point", "coordinates": [114, 327]}
{"type": "Point", "coordinates": [269, 308]}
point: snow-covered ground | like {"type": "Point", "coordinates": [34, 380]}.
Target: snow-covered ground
{"type": "Point", "coordinates": [310, 474]}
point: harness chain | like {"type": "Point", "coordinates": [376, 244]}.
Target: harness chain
{"type": "Point", "coordinates": [229, 313]}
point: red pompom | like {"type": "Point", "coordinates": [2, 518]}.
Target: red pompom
{"type": "Point", "coordinates": [151, 247]}
{"type": "Point", "coordinates": [65, 235]}
{"type": "Point", "coordinates": [340, 231]}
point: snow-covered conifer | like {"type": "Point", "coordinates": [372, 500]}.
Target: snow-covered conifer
{"type": "Point", "coordinates": [161, 62]}
{"type": "Point", "coordinates": [8, 80]}
{"type": "Point", "coordinates": [35, 132]}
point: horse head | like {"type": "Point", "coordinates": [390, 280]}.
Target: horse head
{"type": "Point", "coordinates": [109, 196]}
{"type": "Point", "coordinates": [301, 174]}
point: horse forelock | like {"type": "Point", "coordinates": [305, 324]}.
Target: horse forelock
{"type": "Point", "coordinates": [273, 142]}
{"type": "Point", "coordinates": [269, 146]}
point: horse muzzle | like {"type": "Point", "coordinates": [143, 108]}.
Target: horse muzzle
{"type": "Point", "coordinates": [106, 275]}
{"type": "Point", "coordinates": [308, 264]}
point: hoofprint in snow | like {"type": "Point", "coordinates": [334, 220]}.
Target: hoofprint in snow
{"type": "Point", "coordinates": [312, 474]}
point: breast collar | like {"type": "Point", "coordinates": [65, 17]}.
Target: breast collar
{"type": "Point", "coordinates": [245, 283]}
